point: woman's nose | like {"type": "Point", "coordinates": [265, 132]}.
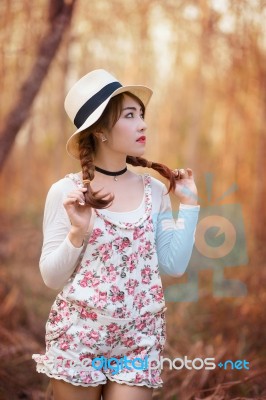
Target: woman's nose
{"type": "Point", "coordinates": [142, 125]}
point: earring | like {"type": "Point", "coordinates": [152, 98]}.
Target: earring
{"type": "Point", "coordinates": [104, 139]}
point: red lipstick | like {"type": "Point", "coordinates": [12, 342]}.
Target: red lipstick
{"type": "Point", "coordinates": [141, 139]}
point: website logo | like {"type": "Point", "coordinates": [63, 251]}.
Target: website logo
{"type": "Point", "coordinates": [220, 242]}
{"type": "Point", "coordinates": [115, 365]}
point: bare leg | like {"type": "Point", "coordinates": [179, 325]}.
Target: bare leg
{"type": "Point", "coordinates": [115, 391]}
{"type": "Point", "coordinates": [65, 391]}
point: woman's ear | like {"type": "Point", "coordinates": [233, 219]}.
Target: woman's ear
{"type": "Point", "coordinates": [100, 136]}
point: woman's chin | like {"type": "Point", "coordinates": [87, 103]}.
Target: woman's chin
{"type": "Point", "coordinates": [138, 153]}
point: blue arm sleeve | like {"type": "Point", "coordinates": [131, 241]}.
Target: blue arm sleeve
{"type": "Point", "coordinates": [175, 239]}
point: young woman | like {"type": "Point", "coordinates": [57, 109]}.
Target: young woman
{"type": "Point", "coordinates": [106, 232]}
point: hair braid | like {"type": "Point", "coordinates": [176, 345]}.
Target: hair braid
{"type": "Point", "coordinates": [161, 168]}
{"type": "Point", "coordinates": [86, 150]}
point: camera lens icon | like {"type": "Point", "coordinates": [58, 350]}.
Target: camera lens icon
{"type": "Point", "coordinates": [215, 236]}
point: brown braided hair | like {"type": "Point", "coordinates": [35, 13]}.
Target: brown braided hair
{"type": "Point", "coordinates": [88, 147]}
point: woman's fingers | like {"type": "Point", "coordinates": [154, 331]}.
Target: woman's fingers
{"type": "Point", "coordinates": [182, 173]}
{"type": "Point", "coordinates": [190, 172]}
{"type": "Point", "coordinates": [77, 196]}
{"type": "Point", "coordinates": [73, 200]}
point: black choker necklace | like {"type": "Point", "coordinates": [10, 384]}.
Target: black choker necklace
{"type": "Point", "coordinates": [114, 174]}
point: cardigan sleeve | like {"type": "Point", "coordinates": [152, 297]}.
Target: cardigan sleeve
{"type": "Point", "coordinates": [59, 256]}
{"type": "Point", "coordinates": [175, 238]}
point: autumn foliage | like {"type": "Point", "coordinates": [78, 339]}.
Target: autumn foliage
{"type": "Point", "coordinates": [206, 62]}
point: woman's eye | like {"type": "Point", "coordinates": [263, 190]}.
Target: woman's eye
{"type": "Point", "coordinates": [130, 115]}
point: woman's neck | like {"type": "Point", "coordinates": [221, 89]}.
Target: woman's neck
{"type": "Point", "coordinates": [114, 164]}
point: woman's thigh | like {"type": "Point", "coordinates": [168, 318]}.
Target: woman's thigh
{"type": "Point", "coordinates": [115, 391]}
{"type": "Point", "coordinates": [65, 391]}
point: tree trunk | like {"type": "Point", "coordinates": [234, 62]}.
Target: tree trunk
{"type": "Point", "coordinates": [60, 13]}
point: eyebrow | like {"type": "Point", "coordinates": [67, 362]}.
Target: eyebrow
{"type": "Point", "coordinates": [132, 108]}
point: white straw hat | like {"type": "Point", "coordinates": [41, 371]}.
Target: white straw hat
{"type": "Point", "coordinates": [87, 99]}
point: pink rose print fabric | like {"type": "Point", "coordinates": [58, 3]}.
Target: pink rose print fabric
{"type": "Point", "coordinates": [113, 305]}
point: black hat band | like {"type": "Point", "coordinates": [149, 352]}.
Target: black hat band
{"type": "Point", "coordinates": [94, 102]}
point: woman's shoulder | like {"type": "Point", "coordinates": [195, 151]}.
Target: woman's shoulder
{"type": "Point", "coordinates": [157, 185]}
{"type": "Point", "coordinates": [63, 185]}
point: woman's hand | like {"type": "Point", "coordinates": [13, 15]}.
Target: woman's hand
{"type": "Point", "coordinates": [79, 215]}
{"type": "Point", "coordinates": [185, 189]}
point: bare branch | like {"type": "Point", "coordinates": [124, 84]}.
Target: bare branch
{"type": "Point", "coordinates": [48, 47]}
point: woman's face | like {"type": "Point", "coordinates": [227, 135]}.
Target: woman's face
{"type": "Point", "coordinates": [127, 136]}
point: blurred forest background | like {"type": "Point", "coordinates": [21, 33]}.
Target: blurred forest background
{"type": "Point", "coordinates": [206, 62]}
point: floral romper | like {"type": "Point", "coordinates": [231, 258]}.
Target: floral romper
{"type": "Point", "coordinates": [112, 306]}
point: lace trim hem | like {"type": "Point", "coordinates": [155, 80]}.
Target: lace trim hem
{"type": "Point", "coordinates": [135, 384]}
{"type": "Point", "coordinates": [103, 382]}
{"type": "Point", "coordinates": [43, 370]}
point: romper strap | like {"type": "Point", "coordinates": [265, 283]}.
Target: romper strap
{"type": "Point", "coordinates": [86, 239]}
{"type": "Point", "coordinates": [148, 197]}
{"type": "Point", "coordinates": [76, 179]}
